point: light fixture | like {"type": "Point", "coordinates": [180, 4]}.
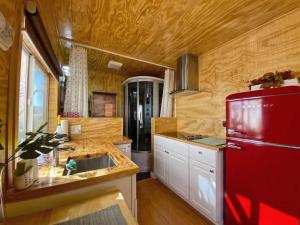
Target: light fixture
{"type": "Point", "coordinates": [114, 65]}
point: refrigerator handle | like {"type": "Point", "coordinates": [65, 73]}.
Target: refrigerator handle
{"type": "Point", "coordinates": [234, 146]}
{"type": "Point", "coordinates": [233, 132]}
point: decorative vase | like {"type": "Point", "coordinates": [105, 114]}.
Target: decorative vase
{"type": "Point", "coordinates": [35, 167]}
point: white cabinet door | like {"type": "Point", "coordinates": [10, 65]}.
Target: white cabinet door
{"type": "Point", "coordinates": [179, 174]}
{"type": "Point", "coordinates": [160, 163]}
{"type": "Point", "coordinates": [203, 188]}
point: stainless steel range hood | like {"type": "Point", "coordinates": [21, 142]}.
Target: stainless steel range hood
{"type": "Point", "coordinates": [186, 76]}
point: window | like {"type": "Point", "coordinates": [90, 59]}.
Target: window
{"type": "Point", "coordinates": [33, 95]}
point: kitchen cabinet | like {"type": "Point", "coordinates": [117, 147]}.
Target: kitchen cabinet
{"type": "Point", "coordinates": [203, 188]}
{"type": "Point", "coordinates": [170, 167]}
{"type": "Point", "coordinates": [160, 163]}
{"type": "Point", "coordinates": [179, 174]}
{"type": "Point", "coordinates": [194, 173]}
{"type": "Point", "coordinates": [126, 149]}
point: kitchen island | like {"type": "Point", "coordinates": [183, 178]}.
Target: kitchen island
{"type": "Point", "coordinates": [52, 184]}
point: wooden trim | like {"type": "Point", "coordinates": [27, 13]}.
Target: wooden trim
{"type": "Point", "coordinates": [13, 90]}
{"type": "Point", "coordinates": [104, 93]}
{"type": "Point", "coordinates": [53, 104]}
{"type": "Point", "coordinates": [37, 33]}
{"type": "Point", "coordinates": [112, 52]}
{"type": "Point", "coordinates": [29, 45]}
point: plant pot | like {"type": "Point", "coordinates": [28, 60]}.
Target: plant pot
{"type": "Point", "coordinates": [34, 163]}
{"type": "Point", "coordinates": [24, 181]}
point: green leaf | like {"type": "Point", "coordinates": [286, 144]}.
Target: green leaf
{"type": "Point", "coordinates": [31, 154]}
{"type": "Point", "coordinates": [45, 150]}
{"type": "Point", "coordinates": [42, 127]}
{"type": "Point", "coordinates": [53, 144]}
{"type": "Point", "coordinates": [30, 133]}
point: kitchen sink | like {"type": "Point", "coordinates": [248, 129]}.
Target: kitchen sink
{"type": "Point", "coordinates": [88, 163]}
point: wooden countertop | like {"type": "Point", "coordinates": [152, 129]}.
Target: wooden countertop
{"type": "Point", "coordinates": [52, 181]}
{"type": "Point", "coordinates": [75, 210]}
{"type": "Point", "coordinates": [212, 147]}
{"type": "Point", "coordinates": [119, 140]}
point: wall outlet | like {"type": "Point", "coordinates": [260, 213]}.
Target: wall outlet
{"type": "Point", "coordinates": [76, 129]}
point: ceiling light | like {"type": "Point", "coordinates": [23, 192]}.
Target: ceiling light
{"type": "Point", "coordinates": [114, 65]}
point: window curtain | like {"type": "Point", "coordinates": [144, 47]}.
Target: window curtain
{"type": "Point", "coordinates": [167, 101]}
{"type": "Point", "coordinates": [76, 99]}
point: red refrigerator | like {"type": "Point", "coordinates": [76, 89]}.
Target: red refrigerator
{"type": "Point", "coordinates": [262, 157]}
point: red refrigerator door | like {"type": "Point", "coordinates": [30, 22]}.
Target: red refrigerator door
{"type": "Point", "coordinates": [262, 185]}
{"type": "Point", "coordinates": [269, 115]}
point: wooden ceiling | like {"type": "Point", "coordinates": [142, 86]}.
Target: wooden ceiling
{"type": "Point", "coordinates": [97, 61]}
{"type": "Point", "coordinates": [155, 30]}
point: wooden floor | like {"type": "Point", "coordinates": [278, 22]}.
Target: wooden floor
{"type": "Point", "coordinates": [158, 205]}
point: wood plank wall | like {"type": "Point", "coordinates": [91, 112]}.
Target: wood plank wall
{"type": "Point", "coordinates": [9, 73]}
{"type": "Point", "coordinates": [98, 127]}
{"type": "Point", "coordinates": [162, 125]}
{"type": "Point", "coordinates": [228, 68]}
{"type": "Point", "coordinates": [108, 82]}
{"type": "Point", "coordinates": [53, 104]}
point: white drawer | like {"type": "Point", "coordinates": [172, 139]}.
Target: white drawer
{"type": "Point", "coordinates": [178, 147]}
{"type": "Point", "coordinates": [203, 155]}
{"type": "Point", "coordinates": [171, 145]}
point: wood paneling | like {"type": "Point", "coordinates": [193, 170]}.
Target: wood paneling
{"type": "Point", "coordinates": [48, 17]}
{"type": "Point", "coordinates": [99, 128]}
{"type": "Point", "coordinates": [100, 81]}
{"type": "Point", "coordinates": [198, 114]}
{"type": "Point", "coordinates": [53, 103]}
{"type": "Point", "coordinates": [158, 205]}
{"type": "Point", "coordinates": [7, 8]}
{"type": "Point", "coordinates": [159, 30]}
{"type": "Point", "coordinates": [227, 69]}
{"type": "Point", "coordinates": [103, 104]}
{"type": "Point", "coordinates": [9, 77]}
{"type": "Point", "coordinates": [97, 61]}
{"type": "Point", "coordinates": [162, 125]}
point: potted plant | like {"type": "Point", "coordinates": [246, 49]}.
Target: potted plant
{"type": "Point", "coordinates": [273, 80]}
{"type": "Point", "coordinates": [36, 143]}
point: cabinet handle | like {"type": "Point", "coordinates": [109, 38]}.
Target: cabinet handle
{"type": "Point", "coordinates": [167, 152]}
{"type": "Point", "coordinates": [200, 153]}
{"type": "Point", "coordinates": [211, 171]}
